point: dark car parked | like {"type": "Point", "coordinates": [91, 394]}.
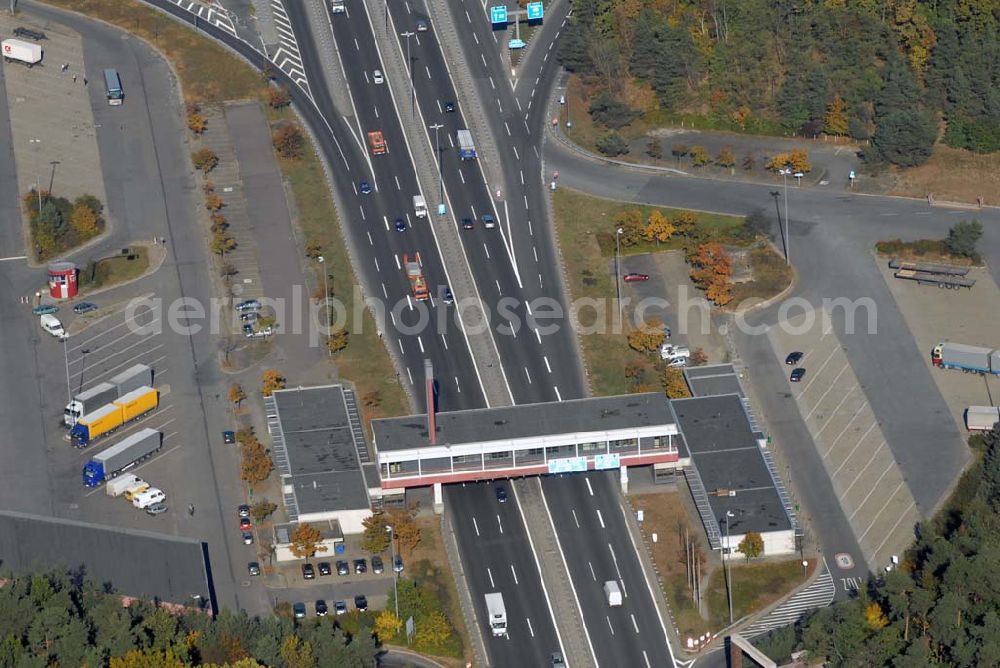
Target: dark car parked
{"type": "Point", "coordinates": [793, 358]}
{"type": "Point", "coordinates": [797, 374]}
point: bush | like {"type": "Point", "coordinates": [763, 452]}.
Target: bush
{"type": "Point", "coordinates": [288, 141]}
{"type": "Point", "coordinates": [205, 160]}
{"type": "Point", "coordinates": [963, 237]}
{"type": "Point", "coordinates": [278, 98]}
{"type": "Point", "coordinates": [612, 144]}
{"type": "Point", "coordinates": [609, 111]}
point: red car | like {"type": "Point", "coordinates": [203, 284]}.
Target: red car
{"type": "Point", "coordinates": [635, 278]}
{"type": "Point", "coordinates": [245, 524]}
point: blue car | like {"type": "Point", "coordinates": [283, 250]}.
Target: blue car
{"type": "Point", "coordinates": [45, 309]}
{"type": "Point", "coordinates": [400, 225]}
{"type": "Point", "coordinates": [84, 307]}
{"type": "Point", "coordinates": [365, 187]}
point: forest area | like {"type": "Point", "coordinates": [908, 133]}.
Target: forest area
{"type": "Point", "coordinates": [896, 75]}
{"type": "Point", "coordinates": [941, 607]}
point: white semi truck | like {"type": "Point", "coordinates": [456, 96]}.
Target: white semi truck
{"type": "Point", "coordinates": [132, 378]}
{"type": "Point", "coordinates": [23, 52]}
{"type": "Point", "coordinates": [497, 613]}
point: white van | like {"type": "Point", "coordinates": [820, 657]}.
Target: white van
{"type": "Point", "coordinates": [672, 354]}
{"type": "Point", "coordinates": [51, 324]}
{"type": "Point", "coordinates": [613, 593]}
{"type": "Point", "coordinates": [419, 206]}
{"type": "Point", "coordinates": [135, 489]}
{"type": "Point", "coordinates": [148, 498]}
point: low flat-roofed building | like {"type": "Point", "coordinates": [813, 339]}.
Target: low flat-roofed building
{"type": "Point", "coordinates": [321, 453]}
{"type": "Point", "coordinates": [330, 545]}
{"type": "Point", "coordinates": [711, 380]}
{"type": "Point", "coordinates": [556, 437]}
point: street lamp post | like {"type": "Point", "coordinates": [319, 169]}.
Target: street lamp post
{"type": "Point", "coordinates": [409, 68]}
{"type": "Point", "coordinates": [326, 298]}
{"type": "Point", "coordinates": [437, 148]}
{"type": "Point", "coordinates": [69, 390]}
{"type": "Point", "coordinates": [785, 171]}
{"type": "Point", "coordinates": [52, 175]}
{"type": "Point", "coordinates": [729, 573]}
{"type": "Point", "coordinates": [618, 273]}
{"type": "Point", "coordinates": [38, 182]}
{"type": "Point", "coordinates": [395, 575]}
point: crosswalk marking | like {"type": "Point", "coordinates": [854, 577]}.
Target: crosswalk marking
{"type": "Point", "coordinates": [817, 595]}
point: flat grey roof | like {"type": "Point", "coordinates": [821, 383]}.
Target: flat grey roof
{"type": "Point", "coordinates": [323, 465]}
{"type": "Point", "coordinates": [525, 421]}
{"type": "Point", "coordinates": [707, 381]}
{"type": "Point", "coordinates": [725, 452]}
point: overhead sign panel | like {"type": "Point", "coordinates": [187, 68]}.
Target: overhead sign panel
{"type": "Point", "coordinates": [568, 465]}
{"type": "Point", "coordinates": [611, 461]}
{"type": "Point", "coordinates": [534, 11]}
{"type": "Point", "coordinates": [498, 15]}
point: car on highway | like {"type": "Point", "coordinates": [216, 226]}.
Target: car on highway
{"type": "Point", "coordinates": [449, 107]}
{"type": "Point", "coordinates": [228, 437]}
{"type": "Point", "coordinates": [489, 222]}
{"type": "Point", "coordinates": [84, 307]}
{"type": "Point", "coordinates": [377, 76]}
{"type": "Point", "coordinates": [365, 187]}
{"type": "Point", "coordinates": [321, 609]}
{"type": "Point", "coordinates": [245, 524]}
{"type": "Point", "coordinates": [446, 296]}
{"type": "Point", "coordinates": [247, 538]}
{"type": "Point", "coordinates": [45, 309]}
{"type": "Point", "coordinates": [360, 602]}
{"type": "Point", "coordinates": [400, 225]}
{"type": "Point", "coordinates": [797, 374]}
{"type": "Point", "coordinates": [253, 568]}
{"type": "Point", "coordinates": [635, 278]}
{"type": "Point", "coordinates": [557, 660]}
{"type": "Point", "coordinates": [340, 607]}
{"type": "Point", "coordinates": [308, 572]}
{"type": "Point", "coordinates": [468, 224]}
{"type": "Point", "coordinates": [248, 305]}
{"type": "Point", "coordinates": [156, 509]}
{"type": "Point", "coordinates": [501, 495]}
{"type": "Point", "coordinates": [299, 610]}
{"type": "Point", "coordinates": [360, 566]}
{"type": "Point", "coordinates": [793, 358]}
{"type": "Point", "coordinates": [324, 568]}
{"type": "Point", "coordinates": [343, 568]}
{"type": "Point", "coordinates": [421, 25]}
{"type": "Point", "coordinates": [397, 564]}
{"type": "Point", "coordinates": [243, 510]}
{"type": "Point", "coordinates": [516, 44]}
{"type": "Point", "coordinates": [377, 567]}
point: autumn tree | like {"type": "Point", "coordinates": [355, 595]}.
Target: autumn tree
{"type": "Point", "coordinates": [271, 380]}
{"type": "Point", "coordinates": [205, 160]}
{"type": "Point", "coordinates": [218, 222]}
{"type": "Point", "coordinates": [148, 658]}
{"type": "Point", "coordinates": [375, 537]}
{"type": "Point", "coordinates": [679, 151]}
{"type": "Point", "coordinates": [404, 527]}
{"type": "Point", "coordinates": [752, 545]}
{"type": "Point", "coordinates": [749, 163]}
{"type": "Point", "coordinates": [875, 617]}
{"type": "Point", "coordinates": [673, 383]}
{"type": "Point", "coordinates": [658, 227]}
{"type": "Point", "coordinates": [725, 158]}
{"type": "Point", "coordinates": [433, 630]}
{"type": "Point", "coordinates": [648, 337]}
{"type": "Point", "coordinates": [699, 156]}
{"type": "Point", "coordinates": [278, 97]}
{"type": "Point", "coordinates": [265, 321]}
{"type": "Point", "coordinates": [296, 653]}
{"type": "Point", "coordinates": [222, 243]}
{"type": "Point", "coordinates": [836, 122]}
{"type": "Point", "coordinates": [236, 394]}
{"type": "Point", "coordinates": [289, 141]}
{"type": "Point", "coordinates": [314, 249]}
{"type": "Point", "coordinates": [84, 221]}
{"type": "Point", "coordinates": [256, 464]}
{"type": "Point", "coordinates": [263, 509]}
{"type": "Point", "coordinates": [712, 269]}
{"type": "Point", "coordinates": [387, 625]}
{"type": "Point", "coordinates": [213, 202]}
{"type": "Point", "coordinates": [684, 222]}
{"type": "Point", "coordinates": [698, 357]}
{"type": "Point", "coordinates": [798, 160]}
{"type": "Point", "coordinates": [196, 123]}
{"type": "Point", "coordinates": [631, 225]}
{"type": "Point", "coordinates": [305, 541]}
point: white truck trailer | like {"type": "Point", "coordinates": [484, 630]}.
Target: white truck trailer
{"type": "Point", "coordinates": [22, 52]}
{"type": "Point", "coordinates": [497, 613]}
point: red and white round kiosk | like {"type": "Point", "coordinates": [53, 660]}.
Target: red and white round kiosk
{"type": "Point", "coordinates": [62, 280]}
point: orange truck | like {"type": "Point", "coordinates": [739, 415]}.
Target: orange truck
{"type": "Point", "coordinates": [415, 274]}
{"type": "Point", "coordinates": [377, 142]}
{"type": "Point", "coordinates": [109, 417]}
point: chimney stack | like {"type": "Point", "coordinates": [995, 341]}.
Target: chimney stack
{"type": "Point", "coordinates": [429, 383]}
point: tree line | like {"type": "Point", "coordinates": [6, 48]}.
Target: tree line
{"type": "Point", "coordinates": [892, 72]}
{"type": "Point", "coordinates": [940, 606]}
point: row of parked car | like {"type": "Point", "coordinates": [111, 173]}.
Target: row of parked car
{"type": "Point", "coordinates": [322, 609]}
{"type": "Point", "coordinates": [343, 568]}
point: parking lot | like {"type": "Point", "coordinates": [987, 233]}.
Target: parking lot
{"type": "Point", "coordinates": [870, 485]}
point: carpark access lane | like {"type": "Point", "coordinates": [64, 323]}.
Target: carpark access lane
{"type": "Point", "coordinates": [455, 372]}
{"type": "Point", "coordinates": [541, 368]}
{"type": "Point", "coordinates": [498, 557]}
{"type": "Point", "coordinates": [587, 515]}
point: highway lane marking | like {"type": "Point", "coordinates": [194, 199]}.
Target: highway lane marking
{"type": "Point", "coordinates": [558, 396]}
{"type": "Point", "coordinates": [445, 342]}
{"type": "Point", "coordinates": [600, 518]}
{"type": "Point", "coordinates": [475, 37]}
{"type": "Point", "coordinates": [497, 281]}
{"type": "Point", "coordinates": [500, 524]}
{"type": "Point", "coordinates": [618, 570]}
{"type": "Point", "coordinates": [634, 625]}
{"type": "Point", "coordinates": [367, 80]}
{"type": "Point", "coordinates": [410, 375]}
{"type": "Point", "coordinates": [592, 573]}
{"type": "Point", "coordinates": [527, 306]}
{"type": "Point", "coordinates": [421, 344]}
{"type": "Point", "coordinates": [518, 103]}
{"type": "Point", "coordinates": [508, 128]}
{"type": "Point", "coordinates": [357, 47]}
{"type": "Point", "coordinates": [407, 7]}
{"type": "Point", "coordinates": [490, 573]}
{"type": "Point", "coordinates": [370, 242]}
{"type": "Point", "coordinates": [409, 302]}
{"type": "Point", "coordinates": [525, 202]}
{"type": "Point", "coordinates": [608, 619]}
{"type": "Point", "coordinates": [461, 176]}
{"type": "Point", "coordinates": [409, 223]}
{"type": "Point", "coordinates": [392, 317]}
{"type": "Point", "coordinates": [522, 182]}
{"type": "Point", "coordinates": [457, 386]}
{"type": "Point", "coordinates": [428, 71]}
{"type": "Point", "coordinates": [500, 105]}
{"type": "Point", "coordinates": [13, 257]}
{"type": "Point", "coordinates": [516, 154]}
{"type": "Point", "coordinates": [487, 250]}
{"type": "Point", "coordinates": [526, 127]}
{"type": "Point", "coordinates": [481, 55]}
{"type": "Point", "coordinates": [546, 358]}
{"type": "Point", "coordinates": [375, 260]}
{"type": "Point", "coordinates": [535, 148]}
{"type": "Point", "coordinates": [531, 230]}
{"type": "Point", "coordinates": [512, 329]}
{"type": "Point", "coordinates": [398, 187]}
{"type": "Point", "coordinates": [589, 488]}
{"type": "Point", "coordinates": [475, 524]}
{"type": "Point", "coordinates": [646, 657]}
{"type": "Point", "coordinates": [398, 265]}
{"type": "Point", "coordinates": [535, 251]}
{"type": "Point", "coordinates": [492, 85]}
{"type": "Point", "coordinates": [537, 335]}
{"type": "Point", "coordinates": [362, 208]}
{"type": "Point", "coordinates": [385, 292]}
{"type": "Point", "coordinates": [451, 141]}
{"type": "Point", "coordinates": [440, 108]}
{"type": "Point", "coordinates": [528, 619]}
{"type": "Point", "coordinates": [528, 375]}
{"type": "Point", "coordinates": [573, 510]}
{"type": "Point", "coordinates": [376, 111]}
{"type": "Point", "coordinates": [385, 220]}
{"type": "Point", "coordinates": [469, 19]}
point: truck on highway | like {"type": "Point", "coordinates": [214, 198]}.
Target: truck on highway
{"type": "Point", "coordinates": [466, 147]}
{"type": "Point", "coordinates": [136, 376]}
{"type": "Point", "coordinates": [121, 456]}
{"type": "Point", "coordinates": [497, 613]}
{"type": "Point", "coordinates": [981, 418]}
{"type": "Point", "coordinates": [613, 593]}
{"type": "Point", "coordinates": [377, 142]}
{"type": "Point", "coordinates": [117, 486]}
{"type": "Point", "coordinates": [337, 7]}
{"type": "Point", "coordinates": [971, 359]}
{"type": "Point", "coordinates": [415, 275]}
{"type": "Point", "coordinates": [22, 52]}
{"type": "Point", "coordinates": [109, 417]}
{"type": "Point", "coordinates": [419, 206]}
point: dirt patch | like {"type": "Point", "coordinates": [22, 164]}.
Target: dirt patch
{"type": "Point", "coordinates": [952, 174]}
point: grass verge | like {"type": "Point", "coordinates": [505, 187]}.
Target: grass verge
{"type": "Point", "coordinates": [925, 250]}
{"type": "Point", "coordinates": [755, 586]}
{"type": "Point", "coordinates": [582, 221]}
{"type": "Point", "coordinates": [771, 275]}
{"type": "Point", "coordinates": [952, 174]}
{"type": "Point", "coordinates": [115, 269]}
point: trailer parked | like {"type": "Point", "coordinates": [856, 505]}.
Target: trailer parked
{"type": "Point", "coordinates": [109, 417]}
{"type": "Point", "coordinates": [971, 359]}
{"type": "Point", "coordinates": [121, 456]}
{"type": "Point", "coordinates": [981, 418]}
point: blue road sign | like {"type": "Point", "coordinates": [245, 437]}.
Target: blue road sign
{"type": "Point", "coordinates": [498, 14]}
{"type": "Point", "coordinates": [534, 11]}
{"type": "Point", "coordinates": [611, 461]}
{"type": "Point", "coordinates": [568, 465]}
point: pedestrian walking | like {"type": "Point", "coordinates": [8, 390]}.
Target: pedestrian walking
{"type": "Point", "coordinates": [74, 78]}
{"type": "Point", "coordinates": [84, 81]}
{"type": "Point", "coordinates": [65, 66]}
{"type": "Point", "coordinates": [191, 509]}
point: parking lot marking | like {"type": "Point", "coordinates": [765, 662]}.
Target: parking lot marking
{"type": "Point", "coordinates": [127, 348]}
{"type": "Point", "coordinates": [874, 487]}
{"type": "Point", "coordinates": [844, 430]}
{"type": "Point", "coordinates": [894, 527]}
{"type": "Point", "coordinates": [124, 323]}
{"type": "Point", "coordinates": [835, 410]}
{"type": "Point", "coordinates": [884, 506]}
{"type": "Point", "coordinates": [865, 467]}
{"type": "Point", "coordinates": [819, 370]}
{"type": "Point", "coordinates": [828, 390]}
{"type": "Point", "coordinates": [857, 445]}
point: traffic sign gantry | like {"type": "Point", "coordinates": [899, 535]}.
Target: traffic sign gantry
{"type": "Point", "coordinates": [498, 15]}
{"type": "Point", "coordinates": [535, 11]}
